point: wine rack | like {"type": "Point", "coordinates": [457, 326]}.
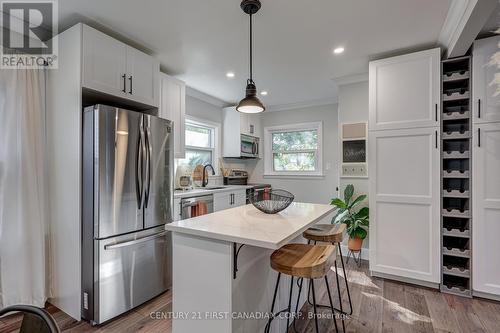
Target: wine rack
{"type": "Point", "coordinates": [456, 231]}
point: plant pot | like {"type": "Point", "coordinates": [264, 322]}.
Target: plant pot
{"type": "Point", "coordinates": [354, 244]}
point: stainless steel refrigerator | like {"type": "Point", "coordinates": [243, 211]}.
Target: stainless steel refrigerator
{"type": "Point", "coordinates": [127, 200]}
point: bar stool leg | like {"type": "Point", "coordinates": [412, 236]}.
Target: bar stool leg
{"type": "Point", "coordinates": [309, 289]}
{"type": "Point", "coordinates": [314, 306]}
{"type": "Point", "coordinates": [289, 309]}
{"type": "Point", "coordinates": [345, 277]}
{"type": "Point", "coordinates": [297, 305]}
{"type": "Point", "coordinates": [340, 296]}
{"type": "Point", "coordinates": [331, 304]}
{"type": "Point", "coordinates": [268, 325]}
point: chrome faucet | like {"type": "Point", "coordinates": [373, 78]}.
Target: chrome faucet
{"type": "Point", "coordinates": [204, 181]}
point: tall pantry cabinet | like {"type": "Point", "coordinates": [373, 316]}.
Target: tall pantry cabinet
{"type": "Point", "coordinates": [486, 169]}
{"type": "Point", "coordinates": [404, 159]}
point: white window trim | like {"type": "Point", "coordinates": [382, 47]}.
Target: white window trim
{"type": "Point", "coordinates": [268, 158]}
{"type": "Point", "coordinates": [217, 139]}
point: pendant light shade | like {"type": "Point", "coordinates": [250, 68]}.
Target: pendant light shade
{"type": "Point", "coordinates": [251, 103]}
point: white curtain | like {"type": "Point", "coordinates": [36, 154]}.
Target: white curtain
{"type": "Point", "coordinates": [23, 195]}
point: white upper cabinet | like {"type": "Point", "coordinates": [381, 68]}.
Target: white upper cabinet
{"type": "Point", "coordinates": [250, 124]}
{"type": "Point", "coordinates": [486, 208]}
{"type": "Point", "coordinates": [104, 63]}
{"type": "Point", "coordinates": [173, 107]}
{"type": "Point", "coordinates": [485, 105]}
{"type": "Point", "coordinates": [114, 68]}
{"type": "Point", "coordinates": [143, 77]}
{"type": "Point", "coordinates": [405, 203]}
{"type": "Point", "coordinates": [405, 91]}
{"type": "Point", "coordinates": [236, 123]}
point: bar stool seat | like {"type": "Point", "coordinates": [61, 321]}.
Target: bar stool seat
{"type": "Point", "coordinates": [302, 260]}
{"type": "Point", "coordinates": [329, 233]}
{"type": "Point", "coordinates": [334, 234]}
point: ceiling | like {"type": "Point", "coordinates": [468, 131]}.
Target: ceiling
{"type": "Point", "coordinates": [199, 41]}
{"type": "Point", "coordinates": [493, 23]}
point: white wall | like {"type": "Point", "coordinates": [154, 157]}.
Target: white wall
{"type": "Point", "coordinates": [315, 190]}
{"type": "Point", "coordinates": [203, 110]}
{"type": "Point", "coordinates": [353, 108]}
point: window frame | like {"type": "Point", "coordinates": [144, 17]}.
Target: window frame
{"type": "Point", "coordinates": [268, 149]}
{"type": "Point", "coordinates": [215, 140]}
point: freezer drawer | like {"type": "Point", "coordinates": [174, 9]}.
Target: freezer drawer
{"type": "Point", "coordinates": [132, 269]}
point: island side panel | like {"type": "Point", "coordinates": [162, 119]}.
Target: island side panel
{"type": "Point", "coordinates": [202, 280]}
{"type": "Point", "coordinates": [253, 290]}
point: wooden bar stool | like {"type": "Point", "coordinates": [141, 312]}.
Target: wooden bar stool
{"type": "Point", "coordinates": [301, 261]}
{"type": "Point", "coordinates": [331, 233]}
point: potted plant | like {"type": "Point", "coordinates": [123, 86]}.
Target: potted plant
{"type": "Point", "coordinates": [356, 220]}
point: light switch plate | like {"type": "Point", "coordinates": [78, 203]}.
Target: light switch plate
{"type": "Point", "coordinates": [354, 170]}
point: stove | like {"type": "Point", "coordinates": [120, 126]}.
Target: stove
{"type": "Point", "coordinates": [257, 188]}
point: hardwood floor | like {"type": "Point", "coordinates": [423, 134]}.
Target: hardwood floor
{"type": "Point", "coordinates": [379, 306]}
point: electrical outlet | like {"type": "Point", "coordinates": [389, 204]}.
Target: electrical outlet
{"type": "Point", "coordinates": [354, 170]}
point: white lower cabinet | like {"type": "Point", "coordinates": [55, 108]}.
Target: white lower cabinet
{"type": "Point", "coordinates": [486, 208]}
{"type": "Point", "coordinates": [404, 204]}
{"type": "Point", "coordinates": [177, 211]}
{"type": "Point", "coordinates": [225, 200]}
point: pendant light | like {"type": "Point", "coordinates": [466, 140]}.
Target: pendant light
{"type": "Point", "coordinates": [251, 103]}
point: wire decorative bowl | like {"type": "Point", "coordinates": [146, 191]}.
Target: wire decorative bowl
{"type": "Point", "coordinates": [271, 202]}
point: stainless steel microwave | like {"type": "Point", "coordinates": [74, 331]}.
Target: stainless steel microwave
{"type": "Point", "coordinates": [249, 146]}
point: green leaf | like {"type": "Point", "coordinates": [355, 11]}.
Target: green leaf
{"type": "Point", "coordinates": [358, 200]}
{"type": "Point", "coordinates": [340, 217]}
{"type": "Point", "coordinates": [364, 222]}
{"type": "Point", "coordinates": [348, 192]}
{"type": "Point", "coordinates": [363, 213]}
{"type": "Point", "coordinates": [339, 203]}
{"type": "Point", "coordinates": [359, 232]}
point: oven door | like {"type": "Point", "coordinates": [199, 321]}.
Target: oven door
{"type": "Point", "coordinates": [249, 146]}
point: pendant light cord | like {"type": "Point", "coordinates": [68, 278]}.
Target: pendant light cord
{"type": "Point", "coordinates": [251, 60]}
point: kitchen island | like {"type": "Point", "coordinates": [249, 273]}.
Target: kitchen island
{"type": "Point", "coordinates": [222, 279]}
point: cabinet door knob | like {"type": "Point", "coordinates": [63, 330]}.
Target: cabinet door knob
{"type": "Point", "coordinates": [131, 90]}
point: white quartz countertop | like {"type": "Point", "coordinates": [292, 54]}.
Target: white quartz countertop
{"type": "Point", "coordinates": [200, 191]}
{"type": "Point", "coordinates": [247, 225]}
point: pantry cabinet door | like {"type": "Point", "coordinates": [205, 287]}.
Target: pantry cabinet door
{"type": "Point", "coordinates": [404, 91]}
{"type": "Point", "coordinates": [404, 203]}
{"type": "Point", "coordinates": [142, 77]}
{"type": "Point", "coordinates": [485, 85]}
{"type": "Point", "coordinates": [104, 63]}
{"type": "Point", "coordinates": [486, 208]}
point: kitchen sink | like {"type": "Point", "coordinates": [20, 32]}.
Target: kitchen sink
{"type": "Point", "coordinates": [213, 187]}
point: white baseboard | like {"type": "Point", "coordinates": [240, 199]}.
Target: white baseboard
{"type": "Point", "coordinates": [486, 295]}
{"type": "Point", "coordinates": [405, 279]}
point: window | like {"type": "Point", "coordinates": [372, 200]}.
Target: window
{"type": "Point", "coordinates": [293, 150]}
{"type": "Point", "coordinates": [200, 143]}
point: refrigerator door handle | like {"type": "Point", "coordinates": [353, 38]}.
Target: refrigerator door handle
{"type": "Point", "coordinates": [135, 241]}
{"type": "Point", "coordinates": [148, 166]}
{"type": "Point", "coordinates": [138, 170]}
